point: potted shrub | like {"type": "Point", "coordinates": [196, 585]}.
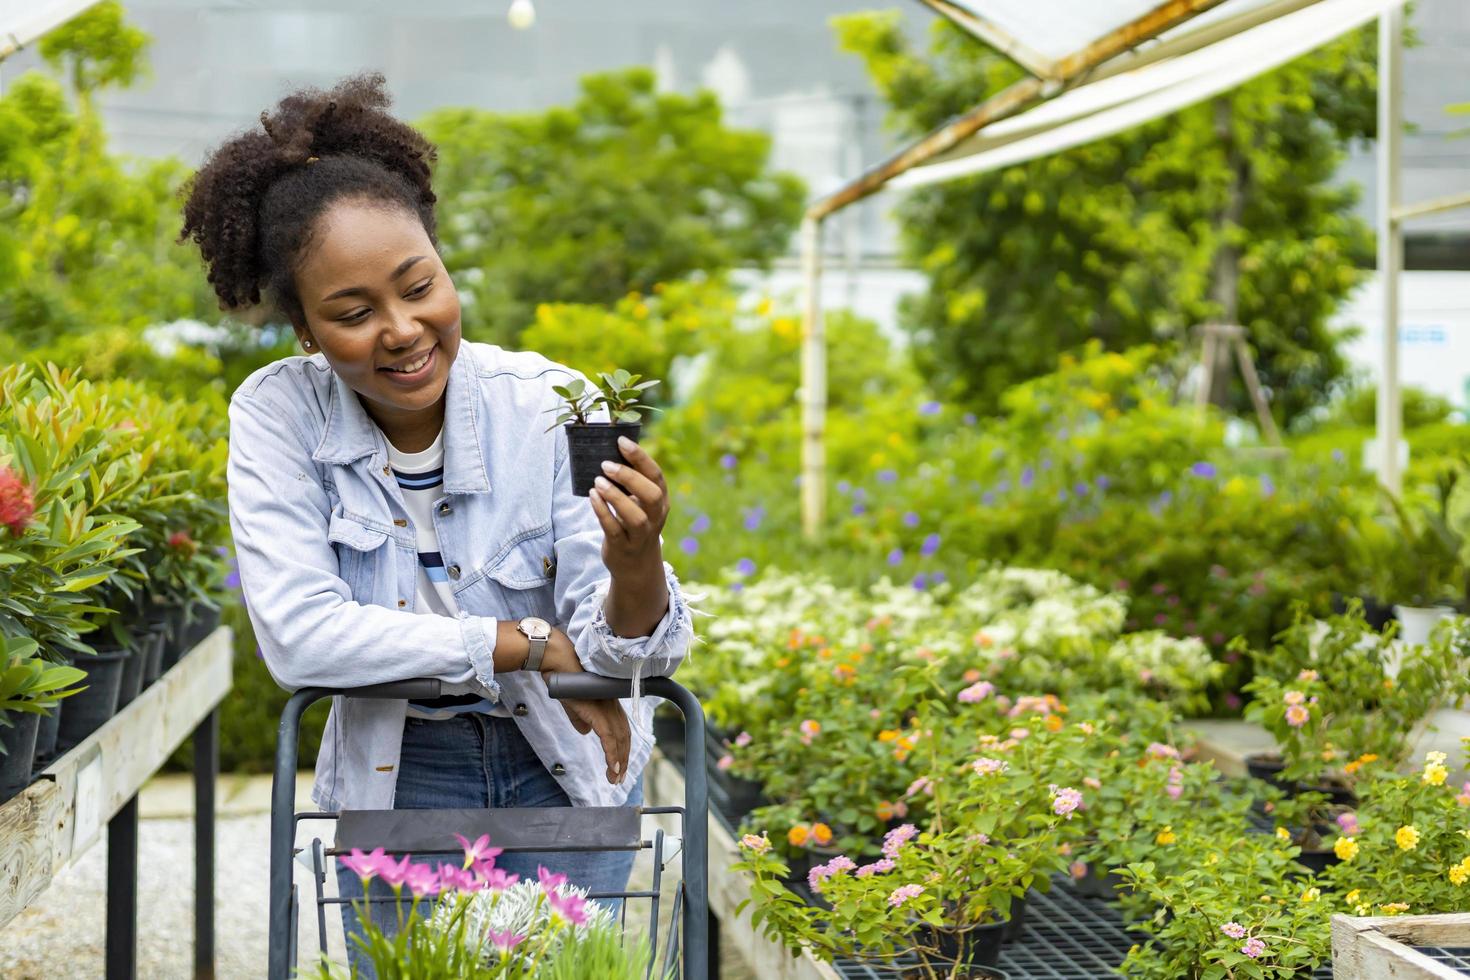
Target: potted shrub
{"type": "Point", "coordinates": [1430, 578]}
{"type": "Point", "coordinates": [30, 688]}
{"type": "Point", "coordinates": [590, 443]}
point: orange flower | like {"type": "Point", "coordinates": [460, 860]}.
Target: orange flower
{"type": "Point", "coordinates": [888, 735]}
{"type": "Point", "coordinates": [971, 676]}
{"type": "Point", "coordinates": [797, 835]}
{"type": "Point", "coordinates": [885, 810]}
{"type": "Point", "coordinates": [1053, 723]}
{"type": "Point", "coordinates": [821, 834]}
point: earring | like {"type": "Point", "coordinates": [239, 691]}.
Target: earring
{"type": "Point", "coordinates": [306, 344]}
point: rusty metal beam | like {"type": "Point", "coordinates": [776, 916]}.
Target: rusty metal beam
{"type": "Point", "coordinates": [994, 35]}
{"type": "Point", "coordinates": [1010, 101]}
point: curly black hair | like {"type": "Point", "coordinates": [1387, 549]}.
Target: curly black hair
{"type": "Point", "coordinates": [252, 205]}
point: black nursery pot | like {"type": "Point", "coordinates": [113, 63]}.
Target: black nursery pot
{"type": "Point", "coordinates": [46, 733]}
{"type": "Point", "coordinates": [592, 443]}
{"type": "Point", "coordinates": [1268, 768]}
{"type": "Point", "coordinates": [132, 673]}
{"type": "Point", "coordinates": [88, 710]}
{"type": "Point", "coordinates": [205, 621]}
{"type": "Point", "coordinates": [153, 643]}
{"type": "Point", "coordinates": [1017, 921]}
{"type": "Point", "coordinates": [19, 739]}
{"type": "Point", "coordinates": [978, 946]}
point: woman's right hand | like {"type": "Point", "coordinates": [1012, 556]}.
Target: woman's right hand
{"type": "Point", "coordinates": [606, 718]}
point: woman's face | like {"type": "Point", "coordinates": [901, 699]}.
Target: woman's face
{"type": "Point", "coordinates": [375, 296]}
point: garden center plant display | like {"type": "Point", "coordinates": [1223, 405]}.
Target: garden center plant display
{"type": "Point", "coordinates": [877, 721]}
{"type": "Point", "coordinates": [473, 920]}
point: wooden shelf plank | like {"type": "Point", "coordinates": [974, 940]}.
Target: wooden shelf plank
{"type": "Point", "coordinates": [57, 818]}
{"type": "Point", "coordinates": [664, 785]}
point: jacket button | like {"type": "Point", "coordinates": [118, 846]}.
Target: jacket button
{"type": "Point", "coordinates": [402, 603]}
{"type": "Point", "coordinates": [386, 471]}
{"type": "Point", "coordinates": [454, 572]}
{"type": "Point", "coordinates": [445, 508]}
{"type": "Point", "coordinates": [558, 770]}
{"type": "Point", "coordinates": [400, 522]}
{"type": "Point", "coordinates": [522, 711]}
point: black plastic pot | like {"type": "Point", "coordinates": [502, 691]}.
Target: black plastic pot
{"type": "Point", "coordinates": [153, 642]}
{"type": "Point", "coordinates": [592, 443]}
{"type": "Point", "coordinates": [976, 946]}
{"type": "Point", "coordinates": [132, 674]}
{"type": "Point", "coordinates": [971, 973]}
{"type": "Point", "coordinates": [1267, 767]}
{"type": "Point", "coordinates": [1317, 861]}
{"type": "Point", "coordinates": [19, 739]}
{"type": "Point", "coordinates": [737, 796]}
{"type": "Point", "coordinates": [204, 621]}
{"type": "Point", "coordinates": [46, 733]}
{"type": "Point", "coordinates": [1339, 795]}
{"type": "Point", "coordinates": [89, 710]}
{"type": "Point", "coordinates": [1017, 921]}
{"type": "Point", "coordinates": [1098, 882]}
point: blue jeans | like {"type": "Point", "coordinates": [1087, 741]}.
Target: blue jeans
{"type": "Point", "coordinates": [472, 761]}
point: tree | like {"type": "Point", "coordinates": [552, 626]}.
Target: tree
{"type": "Point", "coordinates": [1226, 210]}
{"type": "Point", "coordinates": [624, 189]}
{"type": "Point", "coordinates": [87, 238]}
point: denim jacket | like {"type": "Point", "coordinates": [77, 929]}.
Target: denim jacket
{"type": "Point", "coordinates": [328, 563]}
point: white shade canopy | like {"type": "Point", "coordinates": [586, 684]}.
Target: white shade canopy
{"type": "Point", "coordinates": [1128, 98]}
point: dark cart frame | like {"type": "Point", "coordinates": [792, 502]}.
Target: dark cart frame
{"type": "Point", "coordinates": [691, 903]}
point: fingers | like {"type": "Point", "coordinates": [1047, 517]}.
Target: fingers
{"type": "Point", "coordinates": [647, 492]}
{"type": "Point", "coordinates": [575, 717]}
{"type": "Point", "coordinates": [612, 527]}
{"type": "Point", "coordinates": [641, 461]}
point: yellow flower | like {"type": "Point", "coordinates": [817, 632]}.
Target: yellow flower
{"type": "Point", "coordinates": [1394, 908]}
{"type": "Point", "coordinates": [1352, 897]}
{"type": "Point", "coordinates": [1311, 894]}
{"type": "Point", "coordinates": [1406, 837]}
{"type": "Point", "coordinates": [1434, 769]}
{"type": "Point", "coordinates": [1458, 873]}
{"type": "Point", "coordinates": [797, 835]}
{"type": "Point", "coordinates": [1283, 833]}
{"type": "Point", "coordinates": [1346, 848]}
{"type": "Point", "coordinates": [888, 735]}
{"type": "Point", "coordinates": [1166, 836]}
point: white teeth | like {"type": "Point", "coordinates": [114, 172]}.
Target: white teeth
{"type": "Point", "coordinates": [414, 366]}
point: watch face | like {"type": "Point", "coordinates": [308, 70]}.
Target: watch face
{"type": "Point", "coordinates": [535, 627]}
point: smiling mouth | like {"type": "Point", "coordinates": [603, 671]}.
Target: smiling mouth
{"type": "Point", "coordinates": [423, 362]}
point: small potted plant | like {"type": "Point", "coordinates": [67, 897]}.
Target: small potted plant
{"type": "Point", "coordinates": [1431, 576]}
{"type": "Point", "coordinates": [30, 688]}
{"type": "Point", "coordinates": [590, 443]}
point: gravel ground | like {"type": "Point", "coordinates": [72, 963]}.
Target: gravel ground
{"type": "Point", "coordinates": [62, 933]}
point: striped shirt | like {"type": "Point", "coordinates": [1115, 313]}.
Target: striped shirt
{"type": "Point", "coordinates": [420, 478]}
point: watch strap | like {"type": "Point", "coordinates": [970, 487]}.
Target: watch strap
{"type": "Point", "coordinates": [533, 659]}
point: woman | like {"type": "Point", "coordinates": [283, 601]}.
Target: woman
{"type": "Point", "coordinates": [397, 506]}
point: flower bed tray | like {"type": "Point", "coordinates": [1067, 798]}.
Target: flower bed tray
{"type": "Point", "coordinates": [1405, 947]}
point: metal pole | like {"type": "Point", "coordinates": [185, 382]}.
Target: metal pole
{"type": "Point", "coordinates": [283, 834]}
{"type": "Point", "coordinates": [206, 775]}
{"type": "Point", "coordinates": [1390, 240]}
{"type": "Point", "coordinates": [122, 893]}
{"type": "Point", "coordinates": [813, 381]}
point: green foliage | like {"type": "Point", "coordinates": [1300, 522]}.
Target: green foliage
{"type": "Point", "coordinates": [97, 49]}
{"type": "Point", "coordinates": [1125, 239]}
{"type": "Point", "coordinates": [29, 683]}
{"type": "Point", "coordinates": [626, 188]}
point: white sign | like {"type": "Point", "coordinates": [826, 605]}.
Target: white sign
{"type": "Point", "coordinates": [88, 808]}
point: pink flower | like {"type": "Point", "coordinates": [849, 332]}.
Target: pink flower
{"type": "Point", "coordinates": [758, 844]}
{"type": "Point", "coordinates": [549, 882]}
{"type": "Point", "coordinates": [880, 866]}
{"type": "Point", "coordinates": [479, 851]}
{"type": "Point", "coordinates": [505, 941]}
{"type": "Point", "coordinates": [393, 875]}
{"type": "Point", "coordinates": [822, 872]}
{"type": "Point", "coordinates": [1297, 715]}
{"type": "Point", "coordinates": [921, 785]}
{"type": "Point", "coordinates": [1174, 791]}
{"type": "Point", "coordinates": [985, 766]}
{"type": "Point", "coordinates": [1464, 798]}
{"type": "Point", "coordinates": [1253, 948]}
{"type": "Point", "coordinates": [1091, 782]}
{"type": "Point", "coordinates": [743, 739]}
{"type": "Point", "coordinates": [725, 762]}
{"type": "Point", "coordinates": [895, 839]}
{"type": "Point", "coordinates": [1159, 750]}
{"type": "Point", "coordinates": [1065, 800]}
{"type": "Point", "coordinates": [571, 907]}
{"type": "Point", "coordinates": [1233, 929]}
{"type": "Point", "coordinates": [17, 507]}
{"type": "Point", "coordinates": [809, 731]}
{"type": "Point", "coordinates": [1349, 823]}
{"type": "Point", "coordinates": [977, 692]}
{"type": "Point", "coordinates": [365, 866]}
{"type": "Point", "coordinates": [1078, 869]}
{"type": "Point", "coordinates": [494, 878]}
{"type": "Point", "coordinates": [1019, 733]}
{"type": "Point", "coordinates": [874, 714]}
{"type": "Point", "coordinates": [422, 880]}
{"type": "Point", "coordinates": [455, 879]}
{"type": "Point", "coordinates": [903, 893]}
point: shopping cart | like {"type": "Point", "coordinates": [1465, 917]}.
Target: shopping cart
{"type": "Point", "coordinates": [522, 829]}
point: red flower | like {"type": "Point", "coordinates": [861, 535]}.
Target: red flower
{"type": "Point", "coordinates": [16, 505]}
{"type": "Point", "coordinates": [180, 541]}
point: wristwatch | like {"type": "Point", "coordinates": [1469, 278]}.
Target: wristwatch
{"type": "Point", "coordinates": [538, 631]}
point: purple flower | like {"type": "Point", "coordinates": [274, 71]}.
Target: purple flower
{"type": "Point", "coordinates": [843, 486]}
{"type": "Point", "coordinates": [895, 556]}
{"type": "Point", "coordinates": [745, 566]}
{"type": "Point", "coordinates": [969, 418]}
{"type": "Point", "coordinates": [895, 839]}
{"type": "Point", "coordinates": [1028, 477]}
{"type": "Point", "coordinates": [689, 545]}
{"type": "Point", "coordinates": [232, 580]}
{"type": "Point", "coordinates": [736, 586]}
{"type": "Point", "coordinates": [920, 582]}
{"type": "Point", "coordinates": [911, 519]}
{"type": "Point", "coordinates": [859, 493]}
{"type": "Point", "coordinates": [1205, 471]}
{"type": "Point", "coordinates": [1233, 929]}
{"type": "Point", "coordinates": [1267, 487]}
{"type": "Point", "coordinates": [1337, 456]}
{"type": "Point", "coordinates": [929, 408]}
{"type": "Point", "coordinates": [877, 867]}
{"type": "Point", "coordinates": [700, 525]}
{"type": "Point", "coordinates": [936, 577]}
{"type": "Point", "coordinates": [1081, 488]}
{"type": "Point", "coordinates": [931, 545]}
{"type": "Point", "coordinates": [1253, 948]}
{"type": "Point", "coordinates": [728, 461]}
{"type": "Point", "coordinates": [1062, 494]}
{"type": "Point", "coordinates": [887, 476]}
{"type": "Point", "coordinates": [988, 499]}
{"type": "Point", "coordinates": [1004, 486]}
{"type": "Point", "coordinates": [753, 518]}
{"type": "Point", "coordinates": [903, 893]}
{"type": "Point", "coordinates": [858, 510]}
{"type": "Point", "coordinates": [1103, 483]}
{"type": "Point", "coordinates": [1046, 462]}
